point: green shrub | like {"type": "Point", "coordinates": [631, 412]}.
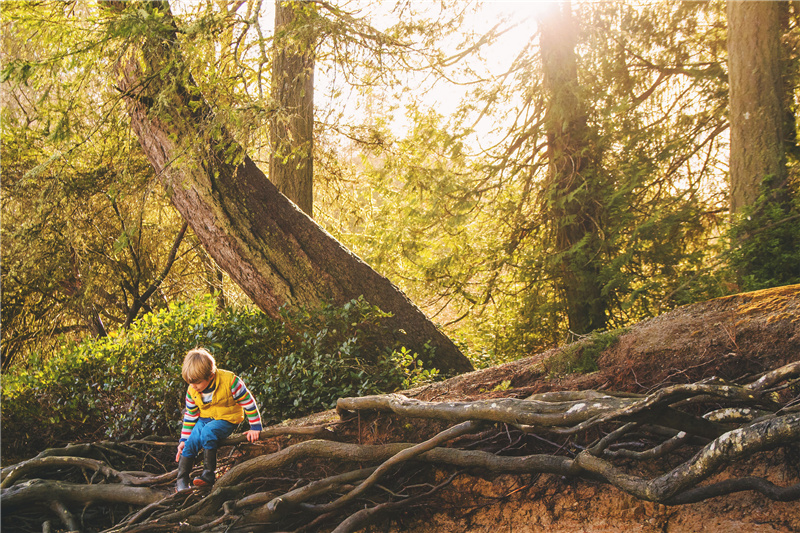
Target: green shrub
{"type": "Point", "coordinates": [129, 384]}
{"type": "Point", "coordinates": [330, 353]}
{"type": "Point", "coordinates": [766, 251]}
{"type": "Point", "coordinates": [581, 356]}
{"type": "Point", "coordinates": [124, 385]}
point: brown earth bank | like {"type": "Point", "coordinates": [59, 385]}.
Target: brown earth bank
{"type": "Point", "coordinates": [549, 503]}
{"type": "Point", "coordinates": [733, 338]}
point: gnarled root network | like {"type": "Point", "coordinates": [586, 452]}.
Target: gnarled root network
{"type": "Point", "coordinates": [328, 484]}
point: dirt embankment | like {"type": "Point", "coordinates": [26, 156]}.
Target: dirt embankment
{"type": "Point", "coordinates": [733, 338]}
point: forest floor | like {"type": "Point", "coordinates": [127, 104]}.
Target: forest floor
{"type": "Point", "coordinates": [732, 338]}
{"type": "Point", "coordinates": [527, 468]}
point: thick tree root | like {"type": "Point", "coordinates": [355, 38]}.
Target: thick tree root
{"type": "Point", "coordinates": [329, 485]}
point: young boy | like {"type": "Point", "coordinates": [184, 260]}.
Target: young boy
{"type": "Point", "coordinates": [216, 402]}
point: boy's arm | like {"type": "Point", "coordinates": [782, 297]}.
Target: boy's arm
{"type": "Point", "coordinates": [243, 397]}
{"type": "Point", "coordinates": [189, 417]}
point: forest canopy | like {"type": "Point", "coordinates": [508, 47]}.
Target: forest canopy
{"type": "Point", "coordinates": [525, 176]}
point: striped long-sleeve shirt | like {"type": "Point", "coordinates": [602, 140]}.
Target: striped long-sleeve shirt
{"type": "Point", "coordinates": [240, 394]}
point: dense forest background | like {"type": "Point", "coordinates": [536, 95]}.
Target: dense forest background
{"type": "Point", "coordinates": [526, 174]}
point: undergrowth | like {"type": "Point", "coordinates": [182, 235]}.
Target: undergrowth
{"type": "Point", "coordinates": [765, 240]}
{"type": "Point", "coordinates": [129, 385]}
{"type": "Point", "coordinates": [581, 356]}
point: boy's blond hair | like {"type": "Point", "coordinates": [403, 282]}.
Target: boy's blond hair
{"type": "Point", "coordinates": [198, 365]}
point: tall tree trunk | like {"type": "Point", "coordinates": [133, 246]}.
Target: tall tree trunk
{"type": "Point", "coordinates": [757, 98]}
{"type": "Point", "coordinates": [271, 249]}
{"type": "Point", "coordinates": [292, 129]}
{"type": "Point", "coordinates": [573, 210]}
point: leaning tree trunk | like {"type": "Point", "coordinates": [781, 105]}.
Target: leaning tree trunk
{"type": "Point", "coordinates": [270, 248]}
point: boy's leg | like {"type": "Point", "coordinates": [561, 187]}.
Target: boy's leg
{"type": "Point", "coordinates": [194, 444]}
{"type": "Point", "coordinates": [184, 470]}
{"type": "Point", "coordinates": [214, 431]}
{"type": "Point", "coordinates": [191, 448]}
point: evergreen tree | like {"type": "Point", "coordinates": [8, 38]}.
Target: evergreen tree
{"type": "Point", "coordinates": [766, 233]}
{"type": "Point", "coordinates": [291, 166]}
{"type": "Point", "coordinates": [88, 244]}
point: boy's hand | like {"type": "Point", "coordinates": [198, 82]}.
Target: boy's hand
{"type": "Point", "coordinates": [180, 449]}
{"type": "Point", "coordinates": [252, 435]}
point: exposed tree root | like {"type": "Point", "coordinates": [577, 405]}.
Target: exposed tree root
{"type": "Point", "coordinates": [39, 490]}
{"type": "Point", "coordinates": [328, 484]}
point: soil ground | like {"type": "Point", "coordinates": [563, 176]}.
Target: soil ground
{"type": "Point", "coordinates": [733, 338]}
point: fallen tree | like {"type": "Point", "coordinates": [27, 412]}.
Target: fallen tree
{"type": "Point", "coordinates": [664, 447]}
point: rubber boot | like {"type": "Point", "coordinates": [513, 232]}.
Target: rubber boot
{"type": "Point", "coordinates": [184, 469]}
{"type": "Point", "coordinates": [209, 474]}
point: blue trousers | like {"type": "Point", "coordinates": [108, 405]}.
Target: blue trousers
{"type": "Point", "coordinates": [206, 434]}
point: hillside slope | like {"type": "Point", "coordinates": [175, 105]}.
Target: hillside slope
{"type": "Point", "coordinates": [734, 338]}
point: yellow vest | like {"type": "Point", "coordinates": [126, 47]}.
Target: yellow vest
{"type": "Point", "coordinates": [222, 405]}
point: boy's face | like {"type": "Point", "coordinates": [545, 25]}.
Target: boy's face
{"type": "Point", "coordinates": [200, 386]}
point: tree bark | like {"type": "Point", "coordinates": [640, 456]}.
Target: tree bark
{"type": "Point", "coordinates": [292, 128]}
{"type": "Point", "coordinates": [271, 249]}
{"type": "Point", "coordinates": [757, 98]}
{"type": "Point", "coordinates": [572, 200]}
{"type": "Point", "coordinates": [44, 490]}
